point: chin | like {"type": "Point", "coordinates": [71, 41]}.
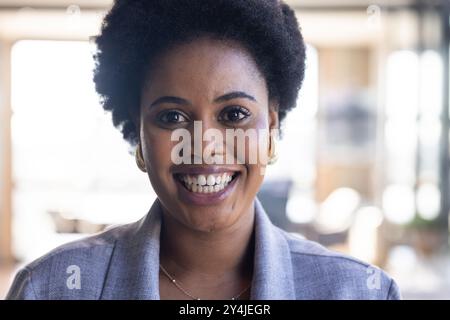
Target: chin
{"type": "Point", "coordinates": [209, 219]}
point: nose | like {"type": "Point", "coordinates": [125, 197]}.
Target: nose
{"type": "Point", "coordinates": [208, 142]}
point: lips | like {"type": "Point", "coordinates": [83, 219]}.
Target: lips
{"type": "Point", "coordinates": [207, 185]}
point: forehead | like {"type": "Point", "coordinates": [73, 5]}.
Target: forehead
{"type": "Point", "coordinates": [205, 65]}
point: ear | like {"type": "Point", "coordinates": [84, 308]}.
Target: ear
{"type": "Point", "coordinates": [274, 122]}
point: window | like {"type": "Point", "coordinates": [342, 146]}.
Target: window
{"type": "Point", "coordinates": [72, 172]}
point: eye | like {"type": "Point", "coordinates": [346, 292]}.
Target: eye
{"type": "Point", "coordinates": [234, 114]}
{"type": "Point", "coordinates": [172, 117]}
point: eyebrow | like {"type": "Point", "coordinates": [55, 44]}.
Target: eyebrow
{"type": "Point", "coordinates": [225, 97]}
{"type": "Point", "coordinates": [234, 95]}
{"type": "Point", "coordinates": [169, 99]}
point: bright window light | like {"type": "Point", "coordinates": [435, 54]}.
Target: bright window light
{"type": "Point", "coordinates": [398, 203]}
{"type": "Point", "coordinates": [68, 158]}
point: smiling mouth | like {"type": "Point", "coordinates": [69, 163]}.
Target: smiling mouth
{"type": "Point", "coordinates": [203, 184]}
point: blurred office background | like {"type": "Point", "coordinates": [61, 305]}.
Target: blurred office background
{"type": "Point", "coordinates": [364, 162]}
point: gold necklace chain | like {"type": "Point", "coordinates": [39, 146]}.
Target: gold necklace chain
{"type": "Point", "coordinates": [172, 279]}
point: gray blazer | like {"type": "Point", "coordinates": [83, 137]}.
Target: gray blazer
{"type": "Point", "coordinates": [123, 263]}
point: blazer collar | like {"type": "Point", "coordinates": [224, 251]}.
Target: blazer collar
{"type": "Point", "coordinates": [272, 272]}
{"type": "Point", "coordinates": [134, 266]}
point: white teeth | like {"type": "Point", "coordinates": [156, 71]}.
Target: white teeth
{"type": "Point", "coordinates": [201, 180]}
{"type": "Point", "coordinates": [211, 180]}
{"type": "Point", "coordinates": [206, 183]}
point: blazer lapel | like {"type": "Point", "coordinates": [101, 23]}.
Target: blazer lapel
{"type": "Point", "coordinates": [134, 267]}
{"type": "Point", "coordinates": [272, 271]}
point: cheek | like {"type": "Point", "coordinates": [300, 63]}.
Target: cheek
{"type": "Point", "coordinates": [254, 150]}
{"type": "Point", "coordinates": [157, 147]}
{"type": "Point", "coordinates": [157, 152]}
{"type": "Point", "coordinates": [257, 146]}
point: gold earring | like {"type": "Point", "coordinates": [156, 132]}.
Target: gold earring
{"type": "Point", "coordinates": [273, 156]}
{"type": "Point", "coordinates": [139, 158]}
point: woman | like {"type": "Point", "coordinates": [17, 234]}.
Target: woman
{"type": "Point", "coordinates": [170, 66]}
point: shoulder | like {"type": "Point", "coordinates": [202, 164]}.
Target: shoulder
{"type": "Point", "coordinates": [57, 274]}
{"type": "Point", "coordinates": [325, 274]}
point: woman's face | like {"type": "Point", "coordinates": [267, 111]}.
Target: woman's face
{"type": "Point", "coordinates": [195, 82]}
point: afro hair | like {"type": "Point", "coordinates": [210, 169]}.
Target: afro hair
{"type": "Point", "coordinates": [136, 31]}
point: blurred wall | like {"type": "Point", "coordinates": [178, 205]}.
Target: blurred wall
{"type": "Point", "coordinates": [5, 154]}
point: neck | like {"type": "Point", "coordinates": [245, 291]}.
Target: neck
{"type": "Point", "coordinates": [221, 253]}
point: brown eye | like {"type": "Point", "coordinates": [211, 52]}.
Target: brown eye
{"type": "Point", "coordinates": [234, 114]}
{"type": "Point", "coordinates": [172, 117]}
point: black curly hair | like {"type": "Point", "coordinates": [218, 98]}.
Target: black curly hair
{"type": "Point", "coordinates": [136, 31]}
